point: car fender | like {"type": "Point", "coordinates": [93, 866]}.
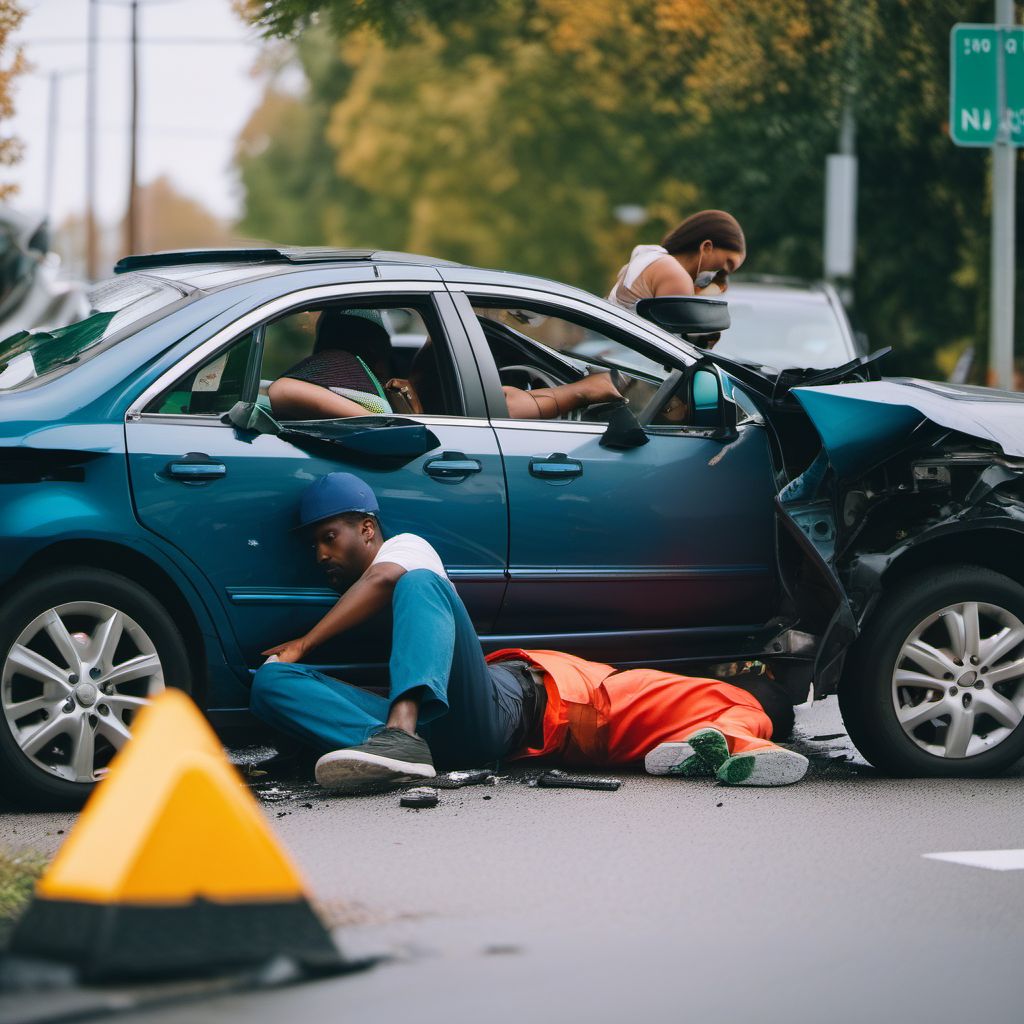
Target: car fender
{"type": "Point", "coordinates": [991, 535]}
{"type": "Point", "coordinates": [36, 517]}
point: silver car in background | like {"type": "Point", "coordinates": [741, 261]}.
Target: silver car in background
{"type": "Point", "coordinates": [781, 323]}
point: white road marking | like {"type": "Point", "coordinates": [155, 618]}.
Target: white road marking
{"type": "Point", "coordinates": [994, 860]}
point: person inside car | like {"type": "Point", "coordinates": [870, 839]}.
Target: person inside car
{"type": "Point", "coordinates": [695, 257]}
{"type": "Point", "coordinates": [448, 701]}
{"type": "Point", "coordinates": [349, 374]}
{"type": "Point", "coordinates": [342, 377]}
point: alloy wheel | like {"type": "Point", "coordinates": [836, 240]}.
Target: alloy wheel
{"type": "Point", "coordinates": [958, 683]}
{"type": "Point", "coordinates": [72, 683]}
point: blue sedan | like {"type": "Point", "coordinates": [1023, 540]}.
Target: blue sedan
{"type": "Point", "coordinates": [860, 535]}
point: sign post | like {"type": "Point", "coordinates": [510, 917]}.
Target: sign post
{"type": "Point", "coordinates": [987, 109]}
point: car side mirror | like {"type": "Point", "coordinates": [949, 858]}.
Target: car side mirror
{"type": "Point", "coordinates": [686, 314]}
{"type": "Point", "coordinates": [711, 407]}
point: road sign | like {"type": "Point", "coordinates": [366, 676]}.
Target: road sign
{"type": "Point", "coordinates": [974, 92]}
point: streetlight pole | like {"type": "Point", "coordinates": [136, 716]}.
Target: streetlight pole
{"type": "Point", "coordinates": [131, 221]}
{"type": "Point", "coordinates": [53, 105]}
{"type": "Point", "coordinates": [91, 246]}
{"type": "Point", "coordinates": [1003, 214]}
{"type": "Point", "coordinates": [840, 242]}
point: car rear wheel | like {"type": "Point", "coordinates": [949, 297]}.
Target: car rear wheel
{"type": "Point", "coordinates": [935, 685]}
{"type": "Point", "coordinates": [82, 651]}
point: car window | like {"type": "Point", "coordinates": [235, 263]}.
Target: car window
{"type": "Point", "coordinates": [534, 347]}
{"type": "Point", "coordinates": [784, 331]}
{"type": "Point", "coordinates": [210, 390]}
{"type": "Point", "coordinates": [387, 358]}
{"type": "Point", "coordinates": [116, 305]}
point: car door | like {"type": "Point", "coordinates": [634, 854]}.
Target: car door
{"type": "Point", "coordinates": [226, 496]}
{"type": "Point", "coordinates": [633, 553]}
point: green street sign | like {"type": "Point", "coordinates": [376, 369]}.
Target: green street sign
{"type": "Point", "coordinates": [974, 84]}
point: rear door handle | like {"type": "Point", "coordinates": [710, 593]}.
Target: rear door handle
{"type": "Point", "coordinates": [195, 467]}
{"type": "Point", "coordinates": [556, 467]}
{"type": "Point", "coordinates": [452, 466]}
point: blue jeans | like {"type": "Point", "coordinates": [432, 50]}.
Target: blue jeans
{"type": "Point", "coordinates": [469, 710]}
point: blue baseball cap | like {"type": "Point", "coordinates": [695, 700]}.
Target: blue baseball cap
{"type": "Point", "coordinates": [334, 495]}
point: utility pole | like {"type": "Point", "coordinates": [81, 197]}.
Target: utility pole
{"type": "Point", "coordinates": [840, 243]}
{"type": "Point", "coordinates": [131, 220]}
{"type": "Point", "coordinates": [1004, 182]}
{"type": "Point", "coordinates": [52, 105]}
{"type": "Point", "coordinates": [91, 247]}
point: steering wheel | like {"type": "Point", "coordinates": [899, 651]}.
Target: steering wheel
{"type": "Point", "coordinates": [518, 375]}
{"type": "Point", "coordinates": [534, 376]}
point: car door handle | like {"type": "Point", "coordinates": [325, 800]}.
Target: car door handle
{"type": "Point", "coordinates": [556, 467]}
{"type": "Point", "coordinates": [196, 467]}
{"type": "Point", "coordinates": [452, 466]}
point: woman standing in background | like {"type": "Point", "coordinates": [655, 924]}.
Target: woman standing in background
{"type": "Point", "coordinates": [696, 256]}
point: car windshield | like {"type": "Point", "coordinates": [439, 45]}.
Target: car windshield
{"type": "Point", "coordinates": [784, 331]}
{"type": "Point", "coordinates": [116, 304]}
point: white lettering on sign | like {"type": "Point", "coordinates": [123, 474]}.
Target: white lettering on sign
{"type": "Point", "coordinates": [1011, 44]}
{"type": "Point", "coordinates": [974, 45]}
{"type": "Point", "coordinates": [1014, 122]}
{"type": "Point", "coordinates": [973, 119]}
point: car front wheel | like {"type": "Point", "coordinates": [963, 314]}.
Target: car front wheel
{"type": "Point", "coordinates": [81, 652]}
{"type": "Point", "coordinates": [935, 684]}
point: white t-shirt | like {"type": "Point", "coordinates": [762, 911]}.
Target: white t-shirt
{"type": "Point", "coordinates": [410, 552]}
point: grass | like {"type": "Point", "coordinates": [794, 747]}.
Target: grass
{"type": "Point", "coordinates": [18, 874]}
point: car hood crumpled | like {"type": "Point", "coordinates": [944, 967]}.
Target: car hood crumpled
{"type": "Point", "coordinates": [856, 422]}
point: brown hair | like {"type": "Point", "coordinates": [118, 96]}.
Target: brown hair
{"type": "Point", "coordinates": [722, 228]}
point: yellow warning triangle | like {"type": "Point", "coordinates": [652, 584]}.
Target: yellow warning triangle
{"type": "Point", "coordinates": [171, 823]}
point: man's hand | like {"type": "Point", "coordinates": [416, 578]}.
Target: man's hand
{"type": "Point", "coordinates": [292, 651]}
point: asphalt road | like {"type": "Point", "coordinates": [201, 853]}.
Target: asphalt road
{"type": "Point", "coordinates": [668, 899]}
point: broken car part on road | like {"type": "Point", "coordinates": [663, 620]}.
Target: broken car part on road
{"type": "Point", "coordinates": [556, 779]}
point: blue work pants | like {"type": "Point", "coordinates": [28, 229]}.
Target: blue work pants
{"type": "Point", "coordinates": [469, 711]}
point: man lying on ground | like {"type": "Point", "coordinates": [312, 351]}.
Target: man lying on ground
{"type": "Point", "coordinates": [450, 703]}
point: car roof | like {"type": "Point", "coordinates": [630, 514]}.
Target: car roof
{"type": "Point", "coordinates": [211, 268]}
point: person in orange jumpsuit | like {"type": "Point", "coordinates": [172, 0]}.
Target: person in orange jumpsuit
{"type": "Point", "coordinates": [447, 701]}
{"type": "Point", "coordinates": [599, 716]}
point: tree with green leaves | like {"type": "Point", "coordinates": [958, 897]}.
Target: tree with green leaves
{"type": "Point", "coordinates": [507, 134]}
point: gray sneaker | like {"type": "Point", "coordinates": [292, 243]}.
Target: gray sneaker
{"type": "Point", "coordinates": [385, 760]}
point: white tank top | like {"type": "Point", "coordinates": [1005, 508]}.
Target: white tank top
{"type": "Point", "coordinates": [628, 290]}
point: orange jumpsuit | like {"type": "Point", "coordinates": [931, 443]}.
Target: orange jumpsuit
{"type": "Point", "coordinates": [597, 715]}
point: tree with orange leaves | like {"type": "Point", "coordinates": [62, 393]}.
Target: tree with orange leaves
{"type": "Point", "coordinates": [508, 133]}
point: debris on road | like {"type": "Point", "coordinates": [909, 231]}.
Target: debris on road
{"type": "Point", "coordinates": [556, 779]}
{"type": "Point", "coordinates": [420, 797]}
{"type": "Point", "coordinates": [456, 780]}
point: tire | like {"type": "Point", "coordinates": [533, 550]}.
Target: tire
{"type": "Point", "coordinates": [126, 647]}
{"type": "Point", "coordinates": [955, 717]}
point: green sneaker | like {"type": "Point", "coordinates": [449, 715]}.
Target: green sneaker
{"type": "Point", "coordinates": [711, 747]}
{"type": "Point", "coordinates": [699, 756]}
{"type": "Point", "coordinates": [384, 761]}
{"type": "Point", "coordinates": [766, 766]}
{"type": "Point", "coordinates": [675, 759]}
